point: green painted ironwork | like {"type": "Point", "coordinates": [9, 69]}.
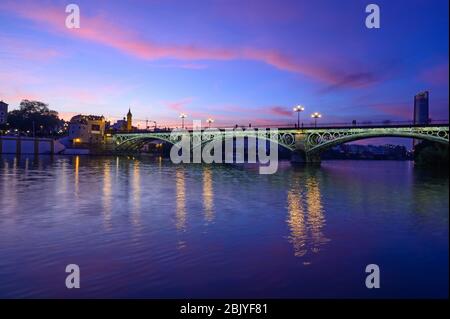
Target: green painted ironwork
{"type": "Point", "coordinates": [309, 141]}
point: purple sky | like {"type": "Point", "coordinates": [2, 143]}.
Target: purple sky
{"type": "Point", "coordinates": [237, 61]}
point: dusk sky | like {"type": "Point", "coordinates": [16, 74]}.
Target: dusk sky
{"type": "Point", "coordinates": [237, 61]}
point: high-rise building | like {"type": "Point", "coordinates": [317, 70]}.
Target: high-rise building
{"type": "Point", "coordinates": [3, 112]}
{"type": "Point", "coordinates": [421, 115]}
{"type": "Point", "coordinates": [421, 111]}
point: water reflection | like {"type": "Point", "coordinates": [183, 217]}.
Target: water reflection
{"type": "Point", "coordinates": [107, 194]}
{"type": "Point", "coordinates": [136, 194]}
{"type": "Point", "coordinates": [6, 186]}
{"type": "Point", "coordinates": [305, 214]}
{"type": "Point", "coordinates": [130, 220]}
{"type": "Point", "coordinates": [296, 222]}
{"type": "Point", "coordinates": [316, 218]}
{"type": "Point", "coordinates": [208, 194]}
{"type": "Point", "coordinates": [76, 176]}
{"type": "Point", "coordinates": [180, 200]}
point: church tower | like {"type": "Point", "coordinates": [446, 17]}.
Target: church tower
{"type": "Point", "coordinates": [129, 120]}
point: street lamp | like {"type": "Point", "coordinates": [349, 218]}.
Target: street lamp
{"type": "Point", "coordinates": [298, 109]}
{"type": "Point", "coordinates": [182, 116]}
{"type": "Point", "coordinates": [316, 116]}
{"type": "Point", "coordinates": [210, 120]}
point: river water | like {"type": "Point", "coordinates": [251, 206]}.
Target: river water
{"type": "Point", "coordinates": [145, 228]}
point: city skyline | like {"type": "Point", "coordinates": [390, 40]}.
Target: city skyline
{"type": "Point", "coordinates": [242, 62]}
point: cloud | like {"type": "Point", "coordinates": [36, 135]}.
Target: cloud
{"type": "Point", "coordinates": [99, 29]}
{"type": "Point", "coordinates": [403, 111]}
{"type": "Point", "coordinates": [28, 50]}
{"type": "Point", "coordinates": [279, 110]}
{"type": "Point", "coordinates": [436, 75]}
{"type": "Point", "coordinates": [354, 80]}
{"type": "Point", "coordinates": [179, 106]}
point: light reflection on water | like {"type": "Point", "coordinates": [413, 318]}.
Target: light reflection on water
{"type": "Point", "coordinates": [306, 217]}
{"type": "Point", "coordinates": [141, 227]}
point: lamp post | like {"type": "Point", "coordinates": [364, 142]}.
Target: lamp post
{"type": "Point", "coordinates": [298, 109]}
{"type": "Point", "coordinates": [316, 116]}
{"type": "Point", "coordinates": [182, 116]}
{"type": "Point", "coordinates": [209, 121]}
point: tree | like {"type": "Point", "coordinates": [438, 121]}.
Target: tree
{"type": "Point", "coordinates": [35, 116]}
{"type": "Point", "coordinates": [431, 154]}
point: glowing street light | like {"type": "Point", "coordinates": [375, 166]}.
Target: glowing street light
{"type": "Point", "coordinates": [209, 121]}
{"type": "Point", "coordinates": [316, 116]}
{"type": "Point", "coordinates": [298, 109]}
{"type": "Point", "coordinates": [182, 117]}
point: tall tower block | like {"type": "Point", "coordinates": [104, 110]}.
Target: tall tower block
{"type": "Point", "coordinates": [421, 111]}
{"type": "Point", "coordinates": [421, 108]}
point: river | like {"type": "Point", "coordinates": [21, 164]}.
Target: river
{"type": "Point", "coordinates": [145, 228]}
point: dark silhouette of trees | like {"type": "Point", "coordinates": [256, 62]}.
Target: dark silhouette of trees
{"type": "Point", "coordinates": [431, 154]}
{"type": "Point", "coordinates": [36, 118]}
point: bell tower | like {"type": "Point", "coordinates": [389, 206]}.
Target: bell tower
{"type": "Point", "coordinates": [129, 120]}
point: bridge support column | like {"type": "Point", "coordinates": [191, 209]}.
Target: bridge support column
{"type": "Point", "coordinates": [313, 159]}
{"type": "Point", "coordinates": [298, 158]}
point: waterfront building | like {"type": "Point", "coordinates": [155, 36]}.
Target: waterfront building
{"type": "Point", "coordinates": [3, 112]}
{"type": "Point", "coordinates": [87, 129]}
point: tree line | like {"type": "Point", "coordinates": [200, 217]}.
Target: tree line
{"type": "Point", "coordinates": [34, 118]}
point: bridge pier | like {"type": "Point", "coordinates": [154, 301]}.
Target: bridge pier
{"type": "Point", "coordinates": [313, 159]}
{"type": "Point", "coordinates": [302, 158]}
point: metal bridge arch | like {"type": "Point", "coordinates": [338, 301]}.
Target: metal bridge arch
{"type": "Point", "coordinates": [320, 141]}
{"type": "Point", "coordinates": [285, 139]}
{"type": "Point", "coordinates": [310, 141]}
{"type": "Point", "coordinates": [134, 141]}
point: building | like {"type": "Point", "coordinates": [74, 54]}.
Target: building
{"type": "Point", "coordinates": [421, 111]}
{"type": "Point", "coordinates": [124, 125]}
{"type": "Point", "coordinates": [129, 121]}
{"type": "Point", "coordinates": [421, 108]}
{"type": "Point", "coordinates": [3, 112]}
{"type": "Point", "coordinates": [87, 129]}
{"type": "Point", "coordinates": [120, 125]}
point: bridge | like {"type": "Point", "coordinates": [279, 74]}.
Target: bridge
{"type": "Point", "coordinates": [306, 144]}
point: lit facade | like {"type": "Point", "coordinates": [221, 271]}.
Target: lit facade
{"type": "Point", "coordinates": [87, 129]}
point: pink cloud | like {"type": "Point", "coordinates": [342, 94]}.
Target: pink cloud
{"type": "Point", "coordinates": [28, 50]}
{"type": "Point", "coordinates": [436, 75]}
{"type": "Point", "coordinates": [403, 111]}
{"type": "Point", "coordinates": [179, 106]}
{"type": "Point", "coordinates": [98, 29]}
{"type": "Point", "coordinates": [279, 110]}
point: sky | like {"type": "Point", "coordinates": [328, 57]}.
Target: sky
{"type": "Point", "coordinates": [236, 61]}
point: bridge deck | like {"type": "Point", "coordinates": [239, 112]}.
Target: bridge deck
{"type": "Point", "coordinates": [321, 127]}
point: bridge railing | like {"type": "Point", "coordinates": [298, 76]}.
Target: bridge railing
{"type": "Point", "coordinates": [357, 124]}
